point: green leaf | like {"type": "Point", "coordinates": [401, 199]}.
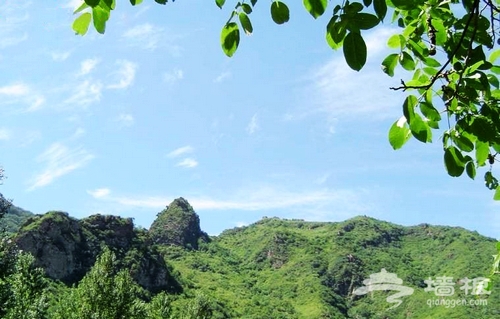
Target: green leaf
{"type": "Point", "coordinates": [363, 21]}
{"type": "Point", "coordinates": [245, 23]}
{"type": "Point", "coordinates": [483, 128]}
{"type": "Point", "coordinates": [335, 33]}
{"type": "Point", "coordinates": [394, 41]}
{"type": "Point", "coordinates": [399, 133]}
{"type": "Point", "coordinates": [253, 2]}
{"type": "Point", "coordinates": [463, 143]}
{"type": "Point", "coordinates": [81, 24]}
{"type": "Point", "coordinates": [246, 8]}
{"type": "Point", "coordinates": [315, 7]}
{"type": "Point", "coordinates": [420, 129]}
{"type": "Point", "coordinates": [470, 169]}
{"type": "Point", "coordinates": [92, 3]}
{"type": "Point", "coordinates": [367, 3]}
{"type": "Point", "coordinates": [490, 181]}
{"type": "Point", "coordinates": [409, 107]}
{"type": "Point", "coordinates": [230, 38]}
{"type": "Point", "coordinates": [135, 2]}
{"type": "Point", "coordinates": [390, 63]}
{"type": "Point", "coordinates": [482, 152]}
{"type": "Point", "coordinates": [432, 62]}
{"type": "Point", "coordinates": [453, 161]}
{"type": "Point", "coordinates": [81, 8]}
{"type": "Point", "coordinates": [220, 3]}
{"type": "Point", "coordinates": [430, 112]}
{"type": "Point", "coordinates": [406, 61]}
{"type": "Point", "coordinates": [494, 56]}
{"type": "Point", "coordinates": [100, 16]}
{"type": "Point", "coordinates": [354, 51]}
{"type": "Point", "coordinates": [280, 12]}
{"type": "Point", "coordinates": [380, 7]}
{"type": "Point", "coordinates": [497, 194]}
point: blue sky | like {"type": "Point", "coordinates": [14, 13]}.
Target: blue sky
{"type": "Point", "coordinates": [125, 122]}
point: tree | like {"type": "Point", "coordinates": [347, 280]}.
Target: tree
{"type": "Point", "coordinates": [23, 288]}
{"type": "Point", "coordinates": [104, 293]}
{"type": "Point", "coordinates": [442, 43]}
{"type": "Point", "coordinates": [4, 203]}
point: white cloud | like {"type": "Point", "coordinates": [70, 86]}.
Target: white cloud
{"type": "Point", "coordinates": [60, 56]}
{"type": "Point", "coordinates": [188, 163]}
{"type": "Point", "coordinates": [180, 151]}
{"type": "Point", "coordinates": [321, 204]}
{"type": "Point", "coordinates": [125, 119]}
{"type": "Point", "coordinates": [4, 134]}
{"type": "Point", "coordinates": [99, 192]}
{"type": "Point", "coordinates": [78, 133]}
{"type": "Point", "coordinates": [174, 76]}
{"type": "Point", "coordinates": [59, 160]}
{"type": "Point", "coordinates": [223, 76]}
{"type": "Point", "coordinates": [13, 22]}
{"type": "Point", "coordinates": [36, 104]}
{"type": "Point", "coordinates": [149, 37]}
{"type": "Point", "coordinates": [253, 125]}
{"type": "Point", "coordinates": [88, 65]}
{"type": "Point", "coordinates": [18, 93]}
{"type": "Point", "coordinates": [18, 89]}
{"type": "Point", "coordinates": [126, 73]}
{"type": "Point", "coordinates": [145, 35]}
{"type": "Point", "coordinates": [85, 93]}
{"type": "Point", "coordinates": [338, 93]}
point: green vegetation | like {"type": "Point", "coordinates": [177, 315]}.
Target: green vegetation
{"type": "Point", "coordinates": [272, 269]}
{"type": "Point", "coordinates": [13, 219]}
{"type": "Point", "coordinates": [446, 46]}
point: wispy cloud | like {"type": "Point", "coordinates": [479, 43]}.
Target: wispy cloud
{"type": "Point", "coordinates": [180, 151]}
{"type": "Point", "coordinates": [125, 73]}
{"type": "Point", "coordinates": [14, 19]}
{"type": "Point", "coordinates": [86, 66]}
{"type": "Point", "coordinates": [17, 89]}
{"type": "Point", "coordinates": [320, 204]}
{"type": "Point", "coordinates": [21, 93]}
{"type": "Point", "coordinates": [223, 76]}
{"type": "Point", "coordinates": [59, 160]}
{"type": "Point", "coordinates": [125, 120]}
{"type": "Point", "coordinates": [337, 92]}
{"type": "Point", "coordinates": [60, 56]}
{"type": "Point", "coordinates": [187, 163]}
{"type": "Point", "coordinates": [145, 36]}
{"type": "Point", "coordinates": [85, 93]}
{"type": "Point", "coordinates": [173, 76]}
{"type": "Point", "coordinates": [149, 37]}
{"type": "Point", "coordinates": [253, 125]}
{"type": "Point", "coordinates": [99, 192]}
{"type": "Point", "coordinates": [4, 134]}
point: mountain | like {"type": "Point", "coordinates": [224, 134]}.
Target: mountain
{"type": "Point", "coordinates": [14, 218]}
{"type": "Point", "coordinates": [279, 268]}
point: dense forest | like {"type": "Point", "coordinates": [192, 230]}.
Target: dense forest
{"type": "Point", "coordinates": [55, 266]}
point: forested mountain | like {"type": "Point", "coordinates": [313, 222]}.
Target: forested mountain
{"type": "Point", "coordinates": [13, 219]}
{"type": "Point", "coordinates": [104, 267]}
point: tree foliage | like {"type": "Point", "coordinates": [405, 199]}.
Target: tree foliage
{"type": "Point", "coordinates": [447, 46]}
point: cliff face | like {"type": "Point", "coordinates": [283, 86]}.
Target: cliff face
{"type": "Point", "coordinates": [67, 248]}
{"type": "Point", "coordinates": [178, 225]}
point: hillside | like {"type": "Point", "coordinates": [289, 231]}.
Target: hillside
{"type": "Point", "coordinates": [14, 218]}
{"type": "Point", "coordinates": [273, 268]}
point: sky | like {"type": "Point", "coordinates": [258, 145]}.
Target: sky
{"type": "Point", "coordinates": [125, 122]}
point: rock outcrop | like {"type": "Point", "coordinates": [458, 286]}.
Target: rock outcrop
{"type": "Point", "coordinates": [67, 248]}
{"type": "Point", "coordinates": [178, 225]}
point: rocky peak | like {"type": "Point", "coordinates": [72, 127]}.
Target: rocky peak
{"type": "Point", "coordinates": [178, 225]}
